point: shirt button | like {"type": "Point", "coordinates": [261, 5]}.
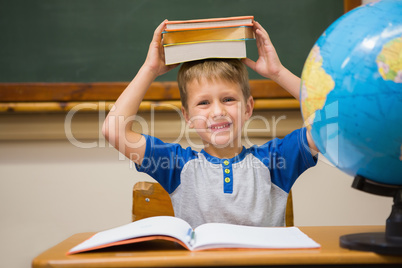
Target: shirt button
{"type": "Point", "coordinates": [227, 179]}
{"type": "Point", "coordinates": [226, 162]}
{"type": "Point", "coordinates": [227, 171]}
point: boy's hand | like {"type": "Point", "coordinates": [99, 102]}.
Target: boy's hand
{"type": "Point", "coordinates": [155, 60]}
{"type": "Point", "coordinates": [268, 63]}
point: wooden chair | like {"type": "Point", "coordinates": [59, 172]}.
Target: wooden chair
{"type": "Point", "coordinates": [150, 199]}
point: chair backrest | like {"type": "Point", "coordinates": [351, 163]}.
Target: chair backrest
{"type": "Point", "coordinates": [150, 199]}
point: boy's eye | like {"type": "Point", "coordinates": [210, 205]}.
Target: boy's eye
{"type": "Point", "coordinates": [205, 102]}
{"type": "Point", "coordinates": [228, 99]}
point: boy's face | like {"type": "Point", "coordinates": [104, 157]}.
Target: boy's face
{"type": "Point", "coordinates": [217, 111]}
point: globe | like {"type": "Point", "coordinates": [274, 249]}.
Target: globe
{"type": "Point", "coordinates": [351, 92]}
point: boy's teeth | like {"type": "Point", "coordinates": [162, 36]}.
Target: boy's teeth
{"type": "Point", "coordinates": [219, 127]}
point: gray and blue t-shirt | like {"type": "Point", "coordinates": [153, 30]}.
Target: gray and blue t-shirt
{"type": "Point", "coordinates": [249, 189]}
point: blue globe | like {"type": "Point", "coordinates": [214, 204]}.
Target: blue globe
{"type": "Point", "coordinates": [351, 92]}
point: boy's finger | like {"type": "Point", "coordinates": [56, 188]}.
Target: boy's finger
{"type": "Point", "coordinates": [262, 42]}
{"type": "Point", "coordinates": [258, 26]}
{"type": "Point", "coordinates": [259, 38]}
{"type": "Point", "coordinates": [158, 32]}
{"type": "Point", "coordinates": [263, 33]}
{"type": "Point", "coordinates": [248, 62]}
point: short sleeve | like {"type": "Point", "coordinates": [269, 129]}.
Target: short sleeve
{"type": "Point", "coordinates": [164, 162]}
{"type": "Point", "coordinates": [287, 158]}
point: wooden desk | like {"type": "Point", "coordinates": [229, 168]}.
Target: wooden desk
{"type": "Point", "coordinates": [169, 254]}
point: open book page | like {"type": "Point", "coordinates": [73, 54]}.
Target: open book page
{"type": "Point", "coordinates": [155, 226]}
{"type": "Point", "coordinates": [219, 235]}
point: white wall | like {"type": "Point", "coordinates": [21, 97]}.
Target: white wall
{"type": "Point", "coordinates": [51, 189]}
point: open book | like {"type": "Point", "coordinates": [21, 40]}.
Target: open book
{"type": "Point", "coordinates": [206, 236]}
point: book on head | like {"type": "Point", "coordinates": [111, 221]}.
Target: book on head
{"type": "Point", "coordinates": [207, 38]}
{"type": "Point", "coordinates": [206, 236]}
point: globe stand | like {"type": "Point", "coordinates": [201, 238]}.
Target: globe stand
{"type": "Point", "coordinates": [388, 242]}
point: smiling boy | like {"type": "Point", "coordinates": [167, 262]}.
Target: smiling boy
{"type": "Point", "coordinates": [225, 182]}
{"type": "Point", "coordinates": [216, 102]}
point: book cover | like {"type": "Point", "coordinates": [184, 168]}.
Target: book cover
{"type": "Point", "coordinates": [209, 23]}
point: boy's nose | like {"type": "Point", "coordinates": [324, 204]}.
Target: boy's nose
{"type": "Point", "coordinates": [218, 110]}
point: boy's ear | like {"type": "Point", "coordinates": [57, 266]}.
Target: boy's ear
{"type": "Point", "coordinates": [249, 107]}
{"type": "Point", "coordinates": [186, 117]}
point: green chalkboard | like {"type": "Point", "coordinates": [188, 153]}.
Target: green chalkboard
{"type": "Point", "coordinates": [107, 40]}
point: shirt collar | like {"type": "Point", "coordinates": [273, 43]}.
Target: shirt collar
{"type": "Point", "coordinates": [216, 160]}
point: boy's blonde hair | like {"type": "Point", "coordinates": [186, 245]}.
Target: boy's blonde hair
{"type": "Point", "coordinates": [231, 70]}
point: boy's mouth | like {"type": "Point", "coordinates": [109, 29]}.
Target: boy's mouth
{"type": "Point", "coordinates": [220, 126]}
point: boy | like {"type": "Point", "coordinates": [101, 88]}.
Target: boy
{"type": "Point", "coordinates": [225, 182]}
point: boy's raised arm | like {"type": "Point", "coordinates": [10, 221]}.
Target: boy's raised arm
{"type": "Point", "coordinates": [269, 66]}
{"type": "Point", "coordinates": [117, 127]}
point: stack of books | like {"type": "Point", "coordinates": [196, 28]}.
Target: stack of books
{"type": "Point", "coordinates": [207, 38]}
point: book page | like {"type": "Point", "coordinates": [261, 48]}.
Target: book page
{"type": "Point", "coordinates": [162, 226]}
{"type": "Point", "coordinates": [196, 51]}
{"type": "Point", "coordinates": [219, 235]}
